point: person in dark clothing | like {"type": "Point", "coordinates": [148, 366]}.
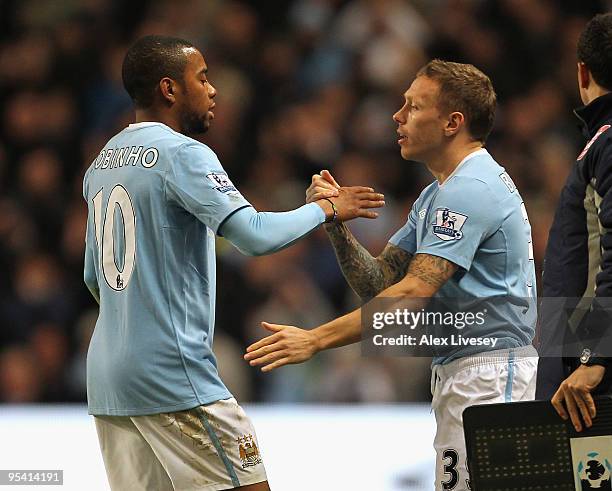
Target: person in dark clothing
{"type": "Point", "coordinates": [578, 261]}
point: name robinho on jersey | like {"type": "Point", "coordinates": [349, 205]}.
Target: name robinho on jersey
{"type": "Point", "coordinates": [113, 158]}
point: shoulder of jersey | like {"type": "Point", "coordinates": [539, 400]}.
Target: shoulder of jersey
{"type": "Point", "coordinates": [481, 171]}
{"type": "Point", "coordinates": [427, 191]}
{"type": "Point", "coordinates": [184, 143]}
{"type": "Point", "coordinates": [487, 190]}
{"type": "Point", "coordinates": [187, 140]}
{"type": "Point", "coordinates": [180, 138]}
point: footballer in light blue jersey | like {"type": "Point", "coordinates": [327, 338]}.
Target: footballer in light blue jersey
{"type": "Point", "coordinates": [156, 199]}
{"type": "Point", "coordinates": [466, 240]}
{"type": "Point", "coordinates": [477, 220]}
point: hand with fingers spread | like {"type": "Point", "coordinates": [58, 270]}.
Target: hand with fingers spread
{"type": "Point", "coordinates": [350, 202]}
{"type": "Point", "coordinates": [353, 202]}
{"type": "Point", "coordinates": [323, 185]}
{"type": "Point", "coordinates": [575, 393]}
{"type": "Point", "coordinates": [287, 345]}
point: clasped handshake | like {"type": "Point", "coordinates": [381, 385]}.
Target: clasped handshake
{"type": "Point", "coordinates": [350, 202]}
{"type": "Point", "coordinates": [290, 344]}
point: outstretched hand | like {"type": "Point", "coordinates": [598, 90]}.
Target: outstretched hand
{"type": "Point", "coordinates": [287, 345]}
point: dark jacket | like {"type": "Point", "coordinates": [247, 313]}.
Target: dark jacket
{"type": "Point", "coordinates": [578, 261]}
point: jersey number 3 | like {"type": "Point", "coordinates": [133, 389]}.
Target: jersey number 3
{"type": "Point", "coordinates": [105, 237]}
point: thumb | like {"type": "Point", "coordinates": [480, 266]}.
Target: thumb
{"type": "Point", "coordinates": [325, 174]}
{"type": "Point", "coordinates": [271, 327]}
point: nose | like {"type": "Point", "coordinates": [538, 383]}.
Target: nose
{"type": "Point", "coordinates": [397, 117]}
{"type": "Point", "coordinates": [212, 92]}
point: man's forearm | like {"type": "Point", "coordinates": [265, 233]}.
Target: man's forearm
{"type": "Point", "coordinates": [291, 344]}
{"type": "Point", "coordinates": [257, 233]}
{"type": "Point", "coordinates": [362, 271]}
{"type": "Point", "coordinates": [347, 329]}
{"type": "Point", "coordinates": [365, 274]}
{"type": "Point", "coordinates": [339, 332]}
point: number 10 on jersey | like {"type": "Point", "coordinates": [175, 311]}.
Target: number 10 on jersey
{"type": "Point", "coordinates": [105, 227]}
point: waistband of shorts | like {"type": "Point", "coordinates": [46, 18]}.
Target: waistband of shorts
{"type": "Point", "coordinates": [502, 356]}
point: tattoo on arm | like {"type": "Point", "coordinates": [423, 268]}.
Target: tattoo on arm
{"type": "Point", "coordinates": [367, 275]}
{"type": "Point", "coordinates": [394, 262]}
{"type": "Point", "coordinates": [433, 270]}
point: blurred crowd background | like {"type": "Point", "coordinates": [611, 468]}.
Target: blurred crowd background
{"type": "Point", "coordinates": [302, 85]}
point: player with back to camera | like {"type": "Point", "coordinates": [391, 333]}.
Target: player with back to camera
{"type": "Point", "coordinates": [578, 260]}
{"type": "Point", "coordinates": [156, 199]}
{"type": "Point", "coordinates": [447, 115]}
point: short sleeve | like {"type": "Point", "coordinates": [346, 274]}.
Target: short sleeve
{"type": "Point", "coordinates": [198, 183]}
{"type": "Point", "coordinates": [406, 237]}
{"type": "Point", "coordinates": [462, 215]}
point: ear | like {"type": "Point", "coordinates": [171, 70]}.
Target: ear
{"type": "Point", "coordinates": [455, 121]}
{"type": "Point", "coordinates": [167, 86]}
{"type": "Point", "coordinates": [584, 76]}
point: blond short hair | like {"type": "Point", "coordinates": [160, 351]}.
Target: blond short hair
{"type": "Point", "coordinates": [464, 88]}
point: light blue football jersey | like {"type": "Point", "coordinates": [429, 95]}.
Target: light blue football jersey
{"type": "Point", "coordinates": [477, 220]}
{"type": "Point", "coordinates": [156, 198]}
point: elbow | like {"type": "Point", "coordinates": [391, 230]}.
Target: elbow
{"type": "Point", "coordinates": [414, 288]}
{"type": "Point", "coordinates": [255, 250]}
{"type": "Point", "coordinates": [90, 282]}
{"type": "Point", "coordinates": [252, 252]}
{"type": "Point", "coordinates": [413, 293]}
{"type": "Point", "coordinates": [366, 295]}
{"type": "Point", "coordinates": [264, 250]}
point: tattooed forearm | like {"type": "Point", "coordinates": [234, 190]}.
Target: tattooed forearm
{"type": "Point", "coordinates": [367, 275]}
{"type": "Point", "coordinates": [361, 270]}
{"type": "Point", "coordinates": [433, 270]}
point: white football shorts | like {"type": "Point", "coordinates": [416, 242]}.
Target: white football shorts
{"type": "Point", "coordinates": [210, 447]}
{"type": "Point", "coordinates": [486, 378]}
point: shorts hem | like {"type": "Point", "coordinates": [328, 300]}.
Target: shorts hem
{"type": "Point", "coordinates": [226, 486]}
{"type": "Point", "coordinates": [97, 411]}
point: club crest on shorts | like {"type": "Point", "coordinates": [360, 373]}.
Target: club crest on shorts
{"type": "Point", "coordinates": [448, 224]}
{"type": "Point", "coordinates": [249, 453]}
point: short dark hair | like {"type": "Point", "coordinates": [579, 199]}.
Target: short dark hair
{"type": "Point", "coordinates": [595, 49]}
{"type": "Point", "coordinates": [147, 61]}
{"type": "Point", "coordinates": [466, 89]}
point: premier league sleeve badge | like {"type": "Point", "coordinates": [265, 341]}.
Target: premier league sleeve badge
{"type": "Point", "coordinates": [448, 224]}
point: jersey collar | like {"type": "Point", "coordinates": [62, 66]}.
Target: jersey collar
{"type": "Point", "coordinates": [469, 156]}
{"type": "Point", "coordinates": [595, 114]}
{"type": "Point", "coordinates": [144, 124]}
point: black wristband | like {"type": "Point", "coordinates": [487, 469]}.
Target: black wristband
{"type": "Point", "coordinates": [589, 359]}
{"type": "Point", "coordinates": [333, 218]}
{"type": "Point", "coordinates": [598, 360]}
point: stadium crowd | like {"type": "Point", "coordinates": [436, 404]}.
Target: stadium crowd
{"type": "Point", "coordinates": [302, 85]}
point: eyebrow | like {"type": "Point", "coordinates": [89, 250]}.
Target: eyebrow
{"type": "Point", "coordinates": [203, 71]}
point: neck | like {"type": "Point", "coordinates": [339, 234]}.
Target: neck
{"type": "Point", "coordinates": [447, 161]}
{"type": "Point", "coordinates": [597, 93]}
{"type": "Point", "coordinates": [593, 91]}
{"type": "Point", "coordinates": [153, 114]}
